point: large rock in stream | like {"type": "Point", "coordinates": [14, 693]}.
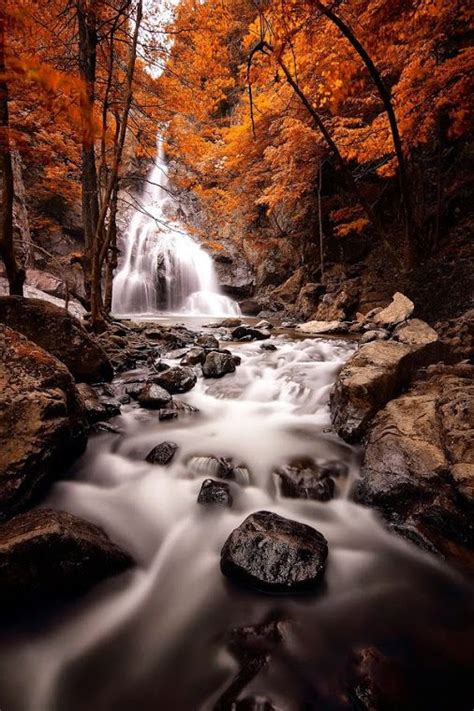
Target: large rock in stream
{"type": "Point", "coordinates": [59, 333]}
{"type": "Point", "coordinates": [47, 554]}
{"type": "Point", "coordinates": [376, 373]}
{"type": "Point", "coordinates": [42, 423]}
{"type": "Point", "coordinates": [418, 468]}
{"type": "Point", "coordinates": [271, 553]}
{"type": "Point", "coordinates": [178, 379]}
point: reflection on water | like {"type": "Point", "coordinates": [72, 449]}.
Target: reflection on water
{"type": "Point", "coordinates": [153, 638]}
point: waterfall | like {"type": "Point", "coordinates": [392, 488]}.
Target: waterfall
{"type": "Point", "coordinates": [164, 269]}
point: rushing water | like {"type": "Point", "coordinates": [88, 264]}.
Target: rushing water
{"type": "Point", "coordinates": [163, 268]}
{"type": "Point", "coordinates": [152, 639]}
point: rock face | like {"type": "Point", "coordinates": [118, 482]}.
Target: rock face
{"type": "Point", "coordinates": [42, 423]}
{"type": "Point", "coordinates": [418, 468]}
{"type": "Point", "coordinates": [304, 479]}
{"type": "Point", "coordinates": [179, 379]}
{"type": "Point", "coordinates": [215, 492]}
{"type": "Point", "coordinates": [218, 364]}
{"type": "Point", "coordinates": [374, 375]}
{"type": "Point", "coordinates": [153, 396]}
{"type": "Point", "coordinates": [162, 454]}
{"type": "Point", "coordinates": [55, 330]}
{"type": "Point", "coordinates": [47, 554]}
{"type": "Point", "coordinates": [269, 552]}
{"type": "Point", "coordinates": [399, 310]}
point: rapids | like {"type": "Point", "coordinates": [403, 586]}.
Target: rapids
{"type": "Point", "coordinates": [152, 639]}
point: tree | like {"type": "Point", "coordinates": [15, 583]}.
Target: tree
{"type": "Point", "coordinates": [15, 274]}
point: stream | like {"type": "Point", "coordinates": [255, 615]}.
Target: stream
{"type": "Point", "coordinates": [154, 638]}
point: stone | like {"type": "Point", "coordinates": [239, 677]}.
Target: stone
{"type": "Point", "coordinates": [250, 307]}
{"type": "Point", "coordinates": [218, 364]}
{"type": "Point", "coordinates": [97, 408]}
{"type": "Point", "coordinates": [319, 327]}
{"type": "Point", "coordinates": [399, 310]}
{"type": "Point", "coordinates": [153, 396]}
{"type": "Point", "coordinates": [304, 479]}
{"type": "Point", "coordinates": [45, 555]}
{"type": "Point", "coordinates": [215, 492]}
{"type": "Point", "coordinates": [59, 333]}
{"type": "Point", "coordinates": [165, 415]}
{"type": "Point", "coordinates": [247, 332]}
{"type": "Point", "coordinates": [374, 335]}
{"type": "Point", "coordinates": [195, 356]}
{"type": "Point", "coordinates": [418, 467]}
{"type": "Point", "coordinates": [264, 325]}
{"type": "Point", "coordinates": [207, 341]}
{"type": "Point", "coordinates": [162, 454]}
{"type": "Point", "coordinates": [270, 553]}
{"type": "Point", "coordinates": [179, 379]}
{"type": "Point", "coordinates": [268, 347]}
{"type": "Point", "coordinates": [231, 322]}
{"type": "Point", "coordinates": [42, 420]}
{"type": "Point", "coordinates": [415, 332]}
{"type": "Point", "coordinates": [374, 375]}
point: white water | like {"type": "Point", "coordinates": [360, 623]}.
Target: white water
{"type": "Point", "coordinates": [163, 268]}
{"type": "Point", "coordinates": [153, 638]}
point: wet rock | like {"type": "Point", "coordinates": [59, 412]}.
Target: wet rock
{"type": "Point", "coordinates": [304, 479]}
{"type": "Point", "coordinates": [272, 553]}
{"type": "Point", "coordinates": [268, 347]}
{"type": "Point", "coordinates": [215, 492]}
{"type": "Point", "coordinates": [59, 333]}
{"type": "Point", "coordinates": [247, 332]}
{"type": "Point", "coordinates": [264, 325]}
{"type": "Point", "coordinates": [162, 454]}
{"type": "Point", "coordinates": [399, 310]}
{"type": "Point", "coordinates": [42, 420]}
{"type": "Point", "coordinates": [97, 408]}
{"type": "Point", "coordinates": [166, 414]}
{"type": "Point", "coordinates": [374, 375]}
{"type": "Point", "coordinates": [196, 356]}
{"type": "Point", "coordinates": [179, 379]}
{"type": "Point", "coordinates": [418, 468]}
{"type": "Point", "coordinates": [207, 341]}
{"type": "Point", "coordinates": [229, 322]}
{"type": "Point", "coordinates": [153, 397]}
{"type": "Point", "coordinates": [47, 554]}
{"type": "Point", "coordinates": [218, 364]}
{"type": "Point", "coordinates": [176, 354]}
{"type": "Point", "coordinates": [318, 327]}
{"type": "Point", "coordinates": [374, 335]}
{"type": "Point", "coordinates": [250, 307]}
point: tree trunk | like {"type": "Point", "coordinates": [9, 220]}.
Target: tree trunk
{"type": "Point", "coordinates": [386, 97]}
{"type": "Point", "coordinates": [15, 274]}
{"type": "Point", "coordinates": [88, 41]}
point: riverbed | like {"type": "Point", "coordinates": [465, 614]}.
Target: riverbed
{"type": "Point", "coordinates": [155, 637]}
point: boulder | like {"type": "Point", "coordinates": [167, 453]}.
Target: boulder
{"type": "Point", "coordinates": [374, 375]}
{"type": "Point", "coordinates": [231, 322]}
{"type": "Point", "coordinates": [415, 332]}
{"type": "Point", "coordinates": [42, 420]}
{"type": "Point", "coordinates": [179, 379]}
{"type": "Point", "coordinates": [162, 454]}
{"type": "Point", "coordinates": [304, 479]}
{"type": "Point", "coordinates": [249, 333]}
{"type": "Point", "coordinates": [399, 310]}
{"type": "Point", "coordinates": [195, 356]}
{"type": "Point", "coordinates": [215, 492]}
{"type": "Point", "coordinates": [271, 553]}
{"type": "Point", "coordinates": [313, 328]}
{"type": "Point", "coordinates": [153, 396]}
{"type": "Point", "coordinates": [55, 330]}
{"type": "Point", "coordinates": [250, 307]}
{"type": "Point", "coordinates": [218, 364]}
{"type": "Point", "coordinates": [264, 325]}
{"type": "Point", "coordinates": [47, 554]}
{"type": "Point", "coordinates": [268, 347]}
{"type": "Point", "coordinates": [374, 335]}
{"type": "Point", "coordinates": [97, 408]}
{"type": "Point", "coordinates": [418, 467]}
{"type": "Point", "coordinates": [207, 341]}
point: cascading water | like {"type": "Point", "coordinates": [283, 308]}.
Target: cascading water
{"type": "Point", "coordinates": [163, 268]}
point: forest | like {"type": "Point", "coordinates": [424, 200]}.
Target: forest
{"type": "Point", "coordinates": [236, 355]}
